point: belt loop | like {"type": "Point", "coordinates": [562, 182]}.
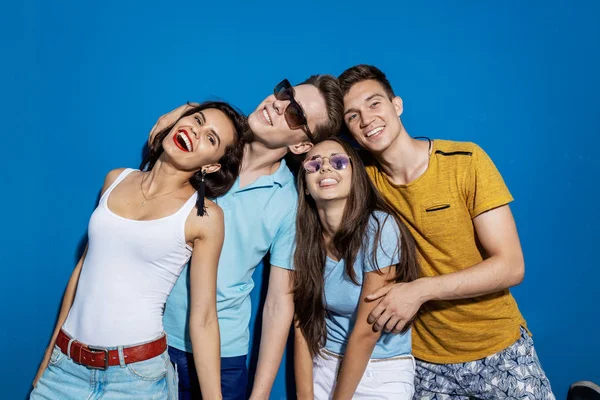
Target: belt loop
{"type": "Point", "coordinates": [121, 356]}
{"type": "Point", "coordinates": [69, 347]}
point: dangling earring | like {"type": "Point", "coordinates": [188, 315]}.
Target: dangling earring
{"type": "Point", "coordinates": [201, 192]}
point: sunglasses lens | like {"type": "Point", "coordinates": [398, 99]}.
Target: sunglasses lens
{"type": "Point", "coordinates": [313, 165]}
{"type": "Point", "coordinates": [294, 116]}
{"type": "Point", "coordinates": [283, 91]}
{"type": "Point", "coordinates": [339, 161]}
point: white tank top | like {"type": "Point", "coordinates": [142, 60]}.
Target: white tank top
{"type": "Point", "coordinates": [128, 273]}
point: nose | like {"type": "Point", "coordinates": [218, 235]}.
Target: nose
{"type": "Point", "coordinates": [325, 166]}
{"type": "Point", "coordinates": [280, 106]}
{"type": "Point", "coordinates": [365, 119]}
{"type": "Point", "coordinates": [195, 132]}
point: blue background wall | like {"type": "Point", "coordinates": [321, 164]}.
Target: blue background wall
{"type": "Point", "coordinates": [82, 85]}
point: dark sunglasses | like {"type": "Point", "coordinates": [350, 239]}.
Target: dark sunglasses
{"type": "Point", "coordinates": [337, 161]}
{"type": "Point", "coordinates": [294, 115]}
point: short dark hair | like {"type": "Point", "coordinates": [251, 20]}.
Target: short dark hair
{"type": "Point", "coordinates": [329, 88]}
{"type": "Point", "coordinates": [364, 72]}
{"type": "Point", "coordinates": [219, 182]}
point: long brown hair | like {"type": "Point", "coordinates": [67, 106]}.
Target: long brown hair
{"type": "Point", "coordinates": [352, 235]}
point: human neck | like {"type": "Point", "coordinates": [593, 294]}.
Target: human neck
{"type": "Point", "coordinates": [405, 159]}
{"type": "Point", "coordinates": [331, 214]}
{"type": "Point", "coordinates": [164, 177]}
{"type": "Point", "coordinates": [259, 160]}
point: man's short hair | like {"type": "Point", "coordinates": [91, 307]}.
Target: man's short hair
{"type": "Point", "coordinates": [363, 72]}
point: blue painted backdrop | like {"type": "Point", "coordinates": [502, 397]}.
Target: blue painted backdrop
{"type": "Point", "coordinates": [83, 84]}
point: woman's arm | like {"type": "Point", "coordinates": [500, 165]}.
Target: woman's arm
{"type": "Point", "coordinates": [303, 366]}
{"type": "Point", "coordinates": [204, 325]}
{"type": "Point", "coordinates": [362, 339]}
{"type": "Point", "coordinates": [70, 291]}
{"type": "Point", "coordinates": [67, 302]}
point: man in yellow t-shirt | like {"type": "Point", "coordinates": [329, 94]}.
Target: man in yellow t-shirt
{"type": "Point", "coordinates": [469, 337]}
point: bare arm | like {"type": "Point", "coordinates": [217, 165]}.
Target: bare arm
{"type": "Point", "coordinates": [204, 324]}
{"type": "Point", "coordinates": [362, 338]}
{"type": "Point", "coordinates": [503, 269]}
{"type": "Point", "coordinates": [70, 291]}
{"type": "Point", "coordinates": [67, 302]}
{"type": "Point", "coordinates": [278, 313]}
{"type": "Point", "coordinates": [303, 367]}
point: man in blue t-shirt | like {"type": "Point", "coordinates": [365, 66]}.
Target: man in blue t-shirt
{"type": "Point", "coordinates": [260, 218]}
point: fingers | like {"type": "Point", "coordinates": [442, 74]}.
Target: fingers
{"type": "Point", "coordinates": [382, 320]}
{"type": "Point", "coordinates": [392, 323]}
{"type": "Point", "coordinates": [152, 133]}
{"type": "Point", "coordinates": [379, 293]}
{"type": "Point", "coordinates": [376, 313]}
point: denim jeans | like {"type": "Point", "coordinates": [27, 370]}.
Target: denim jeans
{"type": "Point", "coordinates": [149, 379]}
{"type": "Point", "coordinates": [234, 376]}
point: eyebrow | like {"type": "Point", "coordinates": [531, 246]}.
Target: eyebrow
{"type": "Point", "coordinates": [371, 97]}
{"type": "Point", "coordinates": [318, 155]}
{"type": "Point", "coordinates": [211, 130]}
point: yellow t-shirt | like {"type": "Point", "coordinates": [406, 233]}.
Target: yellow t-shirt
{"type": "Point", "coordinates": [460, 183]}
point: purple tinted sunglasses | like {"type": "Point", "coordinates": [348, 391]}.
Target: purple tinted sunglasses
{"type": "Point", "coordinates": [337, 161]}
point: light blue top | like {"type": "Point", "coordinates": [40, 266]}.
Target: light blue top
{"type": "Point", "coordinates": [259, 218]}
{"type": "Point", "coordinates": [342, 296]}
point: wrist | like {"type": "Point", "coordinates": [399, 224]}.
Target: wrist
{"type": "Point", "coordinates": [258, 395]}
{"type": "Point", "coordinates": [254, 396]}
{"type": "Point", "coordinates": [426, 288]}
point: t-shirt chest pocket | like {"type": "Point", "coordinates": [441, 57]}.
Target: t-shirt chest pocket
{"type": "Point", "coordinates": [439, 218]}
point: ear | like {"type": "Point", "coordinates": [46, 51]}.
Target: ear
{"type": "Point", "coordinates": [211, 168]}
{"type": "Point", "coordinates": [398, 105]}
{"type": "Point", "coordinates": [300, 148]}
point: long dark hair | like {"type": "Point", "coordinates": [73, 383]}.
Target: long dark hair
{"type": "Point", "coordinates": [352, 235]}
{"type": "Point", "coordinates": [218, 183]}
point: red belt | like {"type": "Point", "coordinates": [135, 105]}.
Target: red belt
{"type": "Point", "coordinates": [101, 358]}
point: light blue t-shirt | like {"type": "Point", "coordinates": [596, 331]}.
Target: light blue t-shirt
{"type": "Point", "coordinates": [342, 296]}
{"type": "Point", "coordinates": [259, 218]}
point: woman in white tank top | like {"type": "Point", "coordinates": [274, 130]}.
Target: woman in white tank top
{"type": "Point", "coordinates": [108, 342]}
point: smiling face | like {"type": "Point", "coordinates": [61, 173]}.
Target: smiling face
{"type": "Point", "coordinates": [199, 139]}
{"type": "Point", "coordinates": [270, 127]}
{"type": "Point", "coordinates": [332, 180]}
{"type": "Point", "coordinates": [370, 115]}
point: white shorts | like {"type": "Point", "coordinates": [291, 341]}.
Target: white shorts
{"type": "Point", "coordinates": [389, 378]}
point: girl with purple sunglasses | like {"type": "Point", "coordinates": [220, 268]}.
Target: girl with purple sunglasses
{"type": "Point", "coordinates": [349, 243]}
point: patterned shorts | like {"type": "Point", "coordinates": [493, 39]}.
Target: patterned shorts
{"type": "Point", "coordinates": [513, 373]}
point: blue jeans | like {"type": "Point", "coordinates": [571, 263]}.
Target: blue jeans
{"type": "Point", "coordinates": [234, 376]}
{"type": "Point", "coordinates": [64, 379]}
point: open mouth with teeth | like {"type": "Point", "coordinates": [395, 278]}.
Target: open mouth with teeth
{"type": "Point", "coordinates": [182, 141]}
{"type": "Point", "coordinates": [374, 132]}
{"type": "Point", "coordinates": [266, 116]}
{"type": "Point", "coordinates": [327, 182]}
